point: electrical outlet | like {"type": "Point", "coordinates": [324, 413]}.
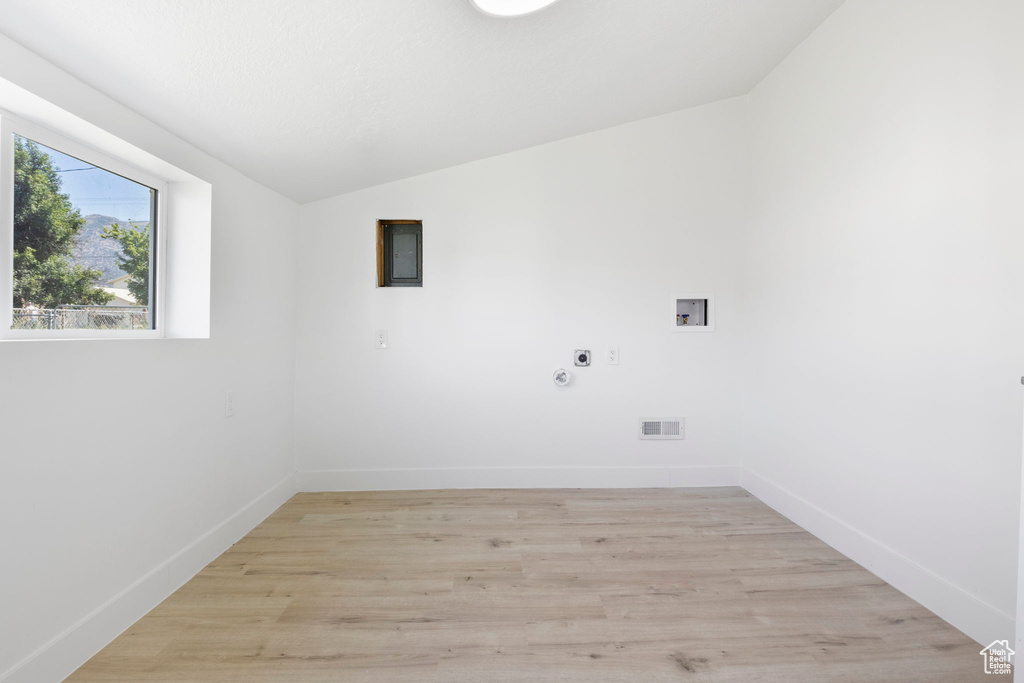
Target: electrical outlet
{"type": "Point", "coordinates": [380, 340]}
{"type": "Point", "coordinates": [229, 404]}
{"type": "Point", "coordinates": [613, 355]}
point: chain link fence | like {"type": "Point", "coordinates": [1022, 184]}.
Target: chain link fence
{"type": "Point", "coordinates": [82, 318]}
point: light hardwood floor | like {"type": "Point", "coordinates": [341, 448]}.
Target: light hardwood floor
{"type": "Point", "coordinates": [535, 585]}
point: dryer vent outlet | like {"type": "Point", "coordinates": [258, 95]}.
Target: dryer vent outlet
{"type": "Point", "coordinates": [661, 428]}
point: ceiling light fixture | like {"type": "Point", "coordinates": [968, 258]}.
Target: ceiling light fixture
{"type": "Point", "coordinates": [511, 8]}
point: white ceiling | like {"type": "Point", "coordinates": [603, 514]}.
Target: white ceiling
{"type": "Point", "coordinates": [318, 97]}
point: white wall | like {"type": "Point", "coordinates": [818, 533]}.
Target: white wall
{"type": "Point", "coordinates": [878, 166]}
{"type": "Point", "coordinates": [576, 244]}
{"type": "Point", "coordinates": [98, 524]}
{"type": "Point", "coordinates": [884, 298]}
{"type": "Point", "coordinates": [868, 341]}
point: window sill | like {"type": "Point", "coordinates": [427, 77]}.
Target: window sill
{"type": "Point", "coordinates": [79, 335]}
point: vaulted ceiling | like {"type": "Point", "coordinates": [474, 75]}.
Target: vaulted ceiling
{"type": "Point", "coordinates": [315, 98]}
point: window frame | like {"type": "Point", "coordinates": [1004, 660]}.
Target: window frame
{"type": "Point", "coordinates": [11, 125]}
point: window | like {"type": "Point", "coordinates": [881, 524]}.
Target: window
{"type": "Point", "coordinates": [399, 253]}
{"type": "Point", "coordinates": [82, 235]}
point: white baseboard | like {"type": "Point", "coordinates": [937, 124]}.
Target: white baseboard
{"type": "Point", "coordinates": [59, 658]}
{"type": "Point", "coordinates": [517, 478]}
{"type": "Point", "coordinates": [65, 653]}
{"type": "Point", "coordinates": [979, 620]}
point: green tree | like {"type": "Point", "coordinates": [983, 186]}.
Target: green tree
{"type": "Point", "coordinates": [45, 226]}
{"type": "Point", "coordinates": [134, 257]}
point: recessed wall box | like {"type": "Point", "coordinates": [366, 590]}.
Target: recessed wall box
{"type": "Point", "coordinates": [581, 357]}
{"type": "Point", "coordinates": [694, 313]}
{"type": "Point", "coordinates": [399, 253]}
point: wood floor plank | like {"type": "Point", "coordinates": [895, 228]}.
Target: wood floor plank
{"type": "Point", "coordinates": [568, 585]}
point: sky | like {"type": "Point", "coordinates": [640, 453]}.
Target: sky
{"type": "Point", "coordinates": [95, 190]}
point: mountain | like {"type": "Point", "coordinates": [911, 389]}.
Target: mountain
{"type": "Point", "coordinates": [92, 250]}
